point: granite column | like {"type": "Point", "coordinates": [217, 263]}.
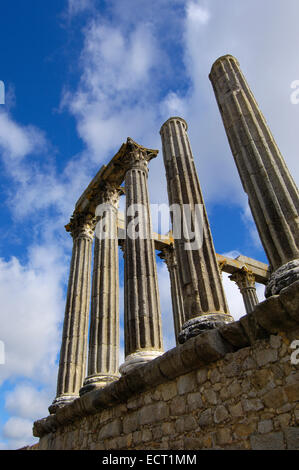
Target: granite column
{"type": "Point", "coordinates": [103, 356]}
{"type": "Point", "coordinates": [168, 255]}
{"type": "Point", "coordinates": [205, 304]}
{"type": "Point", "coordinates": [143, 331]}
{"type": "Point", "coordinates": [72, 364]}
{"type": "Point", "coordinates": [272, 194]}
{"type": "Point", "coordinates": [245, 280]}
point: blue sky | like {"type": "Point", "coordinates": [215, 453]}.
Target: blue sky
{"type": "Point", "coordinates": [80, 77]}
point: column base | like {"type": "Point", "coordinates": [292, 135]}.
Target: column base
{"type": "Point", "coordinates": [61, 401]}
{"type": "Point", "coordinates": [97, 381]}
{"type": "Point", "coordinates": [198, 325]}
{"type": "Point", "coordinates": [283, 277]}
{"type": "Point", "coordinates": [138, 359]}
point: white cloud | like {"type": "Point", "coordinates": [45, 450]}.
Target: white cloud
{"type": "Point", "coordinates": [19, 433]}
{"type": "Point", "coordinates": [32, 307]}
{"type": "Point", "coordinates": [78, 6]}
{"type": "Point", "coordinates": [113, 97]}
{"type": "Point", "coordinates": [196, 14]}
{"type": "Point", "coordinates": [17, 141]}
{"type": "Point", "coordinates": [28, 402]}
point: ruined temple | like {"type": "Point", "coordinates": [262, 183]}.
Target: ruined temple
{"type": "Point", "coordinates": [227, 384]}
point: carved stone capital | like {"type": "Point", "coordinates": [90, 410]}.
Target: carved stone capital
{"type": "Point", "coordinates": [82, 225]}
{"type": "Point", "coordinates": [244, 278]}
{"type": "Point", "coordinates": [137, 157]}
{"type": "Point", "coordinates": [168, 256]}
{"type": "Point", "coordinates": [109, 194]}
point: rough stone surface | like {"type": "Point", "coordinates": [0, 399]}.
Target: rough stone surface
{"type": "Point", "coordinates": [222, 405]}
{"type": "Point", "coordinates": [222, 397]}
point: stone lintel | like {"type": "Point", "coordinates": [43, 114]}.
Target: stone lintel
{"type": "Point", "coordinates": [112, 173]}
{"type": "Point", "coordinates": [275, 315]}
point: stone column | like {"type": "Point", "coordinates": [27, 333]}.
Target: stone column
{"type": "Point", "coordinates": [245, 280]}
{"type": "Point", "coordinates": [205, 304]}
{"type": "Point", "coordinates": [143, 332]}
{"type": "Point", "coordinates": [103, 357]}
{"type": "Point", "coordinates": [168, 255]}
{"type": "Point", "coordinates": [72, 364]}
{"type": "Point", "coordinates": [273, 196]}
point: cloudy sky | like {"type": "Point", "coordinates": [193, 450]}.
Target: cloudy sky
{"type": "Point", "coordinates": [80, 77]}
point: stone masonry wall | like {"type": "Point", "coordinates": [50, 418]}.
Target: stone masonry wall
{"type": "Point", "coordinates": [246, 399]}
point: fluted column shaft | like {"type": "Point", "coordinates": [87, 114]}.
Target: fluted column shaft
{"type": "Point", "coordinates": [143, 331]}
{"type": "Point", "coordinates": [205, 304]}
{"type": "Point", "coordinates": [245, 280]}
{"type": "Point", "coordinates": [72, 364]}
{"type": "Point", "coordinates": [168, 255]}
{"type": "Point", "coordinates": [273, 196]}
{"type": "Point", "coordinates": [103, 356]}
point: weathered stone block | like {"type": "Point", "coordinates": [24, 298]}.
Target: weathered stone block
{"type": "Point", "coordinates": [153, 413]}
{"type": "Point", "coordinates": [236, 410]}
{"type": "Point", "coordinates": [187, 423]}
{"type": "Point", "coordinates": [188, 354]}
{"type": "Point", "coordinates": [201, 376]}
{"type": "Point", "coordinates": [210, 346]}
{"type": "Point", "coordinates": [265, 426]}
{"type": "Point", "coordinates": [171, 365]}
{"type": "Point", "coordinates": [112, 429]}
{"type": "Point", "coordinates": [244, 429]}
{"type": "Point", "coordinates": [192, 443]}
{"type": "Point", "coordinates": [169, 391]}
{"type": "Point", "coordinates": [252, 405]}
{"type": "Point", "coordinates": [292, 438]}
{"type": "Point", "coordinates": [168, 428]}
{"type": "Point", "coordinates": [265, 356]}
{"type": "Point", "coordinates": [220, 414]}
{"type": "Point", "coordinates": [131, 422]}
{"type": "Point", "coordinates": [178, 406]}
{"type": "Point", "coordinates": [252, 328]}
{"type": "Point", "coordinates": [232, 369]}
{"type": "Point", "coordinates": [152, 374]}
{"type": "Point", "coordinates": [186, 383]}
{"type": "Point", "coordinates": [209, 396]}
{"type": "Point", "coordinates": [234, 334]}
{"type": "Point", "coordinates": [223, 436]}
{"type": "Point", "coordinates": [194, 401]}
{"type": "Point", "coordinates": [292, 392]}
{"type": "Point", "coordinates": [275, 398]}
{"type": "Point", "coordinates": [205, 418]}
{"type": "Point", "coordinates": [272, 441]}
{"type": "Point", "coordinates": [289, 297]}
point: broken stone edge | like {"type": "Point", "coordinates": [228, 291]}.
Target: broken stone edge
{"type": "Point", "coordinates": [278, 313]}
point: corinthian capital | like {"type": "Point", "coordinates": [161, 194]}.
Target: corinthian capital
{"type": "Point", "coordinates": [82, 225]}
{"type": "Point", "coordinates": [244, 278]}
{"type": "Point", "coordinates": [136, 156]}
{"type": "Point", "coordinates": [108, 194]}
{"type": "Point", "coordinates": [168, 255]}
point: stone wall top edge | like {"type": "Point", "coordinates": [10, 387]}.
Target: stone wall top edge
{"type": "Point", "coordinates": [276, 314]}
